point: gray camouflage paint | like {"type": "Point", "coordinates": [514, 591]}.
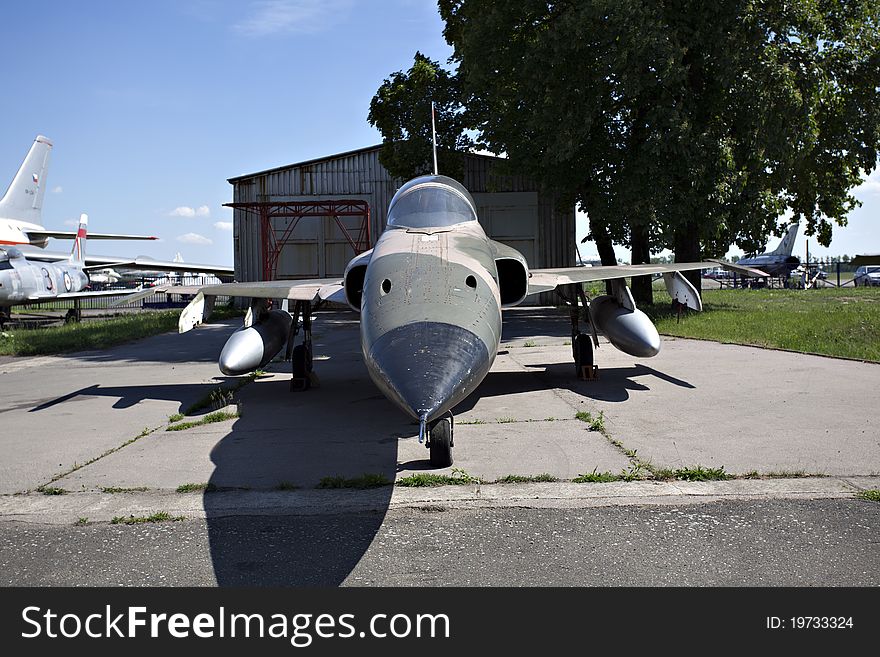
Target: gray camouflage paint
{"type": "Point", "coordinates": [431, 332]}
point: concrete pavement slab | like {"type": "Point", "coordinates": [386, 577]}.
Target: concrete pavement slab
{"type": "Point", "coordinates": [697, 403]}
{"type": "Point", "coordinates": [60, 412]}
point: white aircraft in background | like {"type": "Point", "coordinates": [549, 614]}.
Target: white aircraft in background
{"type": "Point", "coordinates": [21, 217]}
{"type": "Point", "coordinates": [22, 204]}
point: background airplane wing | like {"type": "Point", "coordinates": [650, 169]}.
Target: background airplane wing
{"type": "Point", "coordinates": [69, 235]}
{"type": "Point", "coordinates": [545, 280]}
{"type": "Point", "coordinates": [84, 294]}
{"type": "Point", "coordinates": [143, 263]}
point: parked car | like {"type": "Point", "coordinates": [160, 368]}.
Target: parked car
{"type": "Point", "coordinates": [867, 275]}
{"type": "Point", "coordinates": [716, 273]}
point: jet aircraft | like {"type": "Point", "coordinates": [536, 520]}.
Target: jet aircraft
{"type": "Point", "coordinates": [430, 295]}
{"type": "Point", "coordinates": [21, 212]}
{"type": "Point", "coordinates": [779, 262]}
{"type": "Point", "coordinates": [23, 281]}
{"type": "Point", "coordinates": [22, 205]}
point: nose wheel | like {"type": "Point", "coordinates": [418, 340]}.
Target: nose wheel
{"type": "Point", "coordinates": [440, 442]}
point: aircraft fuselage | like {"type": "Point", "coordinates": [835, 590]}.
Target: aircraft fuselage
{"type": "Point", "coordinates": [430, 315]}
{"type": "Point", "coordinates": [15, 232]}
{"type": "Point", "coordinates": [22, 281]}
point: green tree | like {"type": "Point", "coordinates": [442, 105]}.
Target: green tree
{"type": "Point", "coordinates": [678, 124]}
{"type": "Point", "coordinates": [401, 110]}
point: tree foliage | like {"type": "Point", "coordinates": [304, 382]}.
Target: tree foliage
{"type": "Point", "coordinates": [401, 110]}
{"type": "Point", "coordinates": [676, 123]}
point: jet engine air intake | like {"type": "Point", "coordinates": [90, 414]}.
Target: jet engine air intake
{"type": "Point", "coordinates": [353, 279]}
{"type": "Point", "coordinates": [354, 286]}
{"type": "Point", "coordinates": [513, 281]}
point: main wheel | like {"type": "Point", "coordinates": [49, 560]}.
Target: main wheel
{"type": "Point", "coordinates": [583, 351]}
{"type": "Point", "coordinates": [299, 365]}
{"type": "Point", "coordinates": [441, 443]}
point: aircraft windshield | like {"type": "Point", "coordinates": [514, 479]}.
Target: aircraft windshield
{"type": "Point", "coordinates": [429, 205]}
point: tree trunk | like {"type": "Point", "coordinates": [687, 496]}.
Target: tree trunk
{"type": "Point", "coordinates": [687, 249]}
{"type": "Point", "coordinates": [642, 291]}
{"type": "Point", "coordinates": [604, 246]}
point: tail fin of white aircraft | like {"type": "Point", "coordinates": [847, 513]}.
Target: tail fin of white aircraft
{"type": "Point", "coordinates": [24, 198]}
{"type": "Point", "coordinates": [786, 246]}
{"type": "Point", "coordinates": [78, 253]}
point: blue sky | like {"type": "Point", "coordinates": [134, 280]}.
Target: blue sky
{"type": "Point", "coordinates": [152, 106]}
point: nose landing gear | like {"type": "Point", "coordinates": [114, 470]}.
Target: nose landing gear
{"type": "Point", "coordinates": [440, 441]}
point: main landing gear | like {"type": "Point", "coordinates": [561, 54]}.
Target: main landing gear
{"type": "Point", "coordinates": [440, 441]}
{"type": "Point", "coordinates": [300, 356]}
{"type": "Point", "coordinates": [581, 343]}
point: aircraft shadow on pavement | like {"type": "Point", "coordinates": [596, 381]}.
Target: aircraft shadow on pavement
{"type": "Point", "coordinates": [185, 394]}
{"type": "Point", "coordinates": [529, 321]}
{"type": "Point", "coordinates": [614, 384]}
{"type": "Point", "coordinates": [289, 442]}
{"type": "Point", "coordinates": [199, 346]}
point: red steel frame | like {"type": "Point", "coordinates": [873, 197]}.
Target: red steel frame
{"type": "Point", "coordinates": [274, 240]}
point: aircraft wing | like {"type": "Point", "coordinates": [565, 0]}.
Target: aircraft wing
{"type": "Point", "coordinates": [143, 263]}
{"type": "Point", "coordinates": [198, 310]}
{"type": "Point", "coordinates": [545, 280]}
{"type": "Point", "coordinates": [314, 289]}
{"type": "Point", "coordinates": [84, 294]}
{"type": "Point", "coordinates": [69, 235]}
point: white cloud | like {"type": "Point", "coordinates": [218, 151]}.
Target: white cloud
{"type": "Point", "coordinates": [71, 222]}
{"type": "Point", "coordinates": [870, 184]}
{"type": "Point", "coordinates": [186, 211]}
{"type": "Point", "coordinates": [57, 189]}
{"type": "Point", "coordinates": [194, 238]}
{"type": "Point", "coordinates": [223, 225]}
{"type": "Point", "coordinates": [292, 16]}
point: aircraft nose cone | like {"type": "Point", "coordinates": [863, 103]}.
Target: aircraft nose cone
{"type": "Point", "coordinates": [428, 367]}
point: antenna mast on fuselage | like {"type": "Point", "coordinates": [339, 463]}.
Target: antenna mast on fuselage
{"type": "Point", "coordinates": [434, 137]}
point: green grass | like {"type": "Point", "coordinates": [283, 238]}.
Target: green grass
{"type": "Point", "coordinates": [217, 398]}
{"type": "Point", "coordinates": [114, 489]}
{"type": "Point", "coordinates": [596, 477]}
{"type": "Point", "coordinates": [530, 343]}
{"type": "Point", "coordinates": [505, 420]}
{"type": "Point", "coordinates": [86, 335]}
{"type": "Point", "coordinates": [872, 495]}
{"type": "Point", "coordinates": [698, 473]}
{"type": "Point", "coordinates": [364, 481]}
{"type": "Point", "coordinates": [597, 422]}
{"type": "Point", "coordinates": [210, 418]}
{"type": "Point", "coordinates": [81, 521]}
{"type": "Point", "coordinates": [51, 490]}
{"type": "Point", "coordinates": [286, 485]}
{"type": "Point", "coordinates": [196, 488]}
{"type": "Point", "coordinates": [840, 322]}
{"type": "Point", "coordinates": [177, 417]}
{"type": "Point", "coordinates": [526, 479]}
{"type": "Point", "coordinates": [159, 516]}
{"type": "Point", "coordinates": [458, 478]}
{"type": "Point", "coordinates": [94, 334]}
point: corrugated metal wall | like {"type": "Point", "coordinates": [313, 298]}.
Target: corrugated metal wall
{"type": "Point", "coordinates": [360, 175]}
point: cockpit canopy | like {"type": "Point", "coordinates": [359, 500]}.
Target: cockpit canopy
{"type": "Point", "coordinates": [8, 253]}
{"type": "Point", "coordinates": [431, 202]}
